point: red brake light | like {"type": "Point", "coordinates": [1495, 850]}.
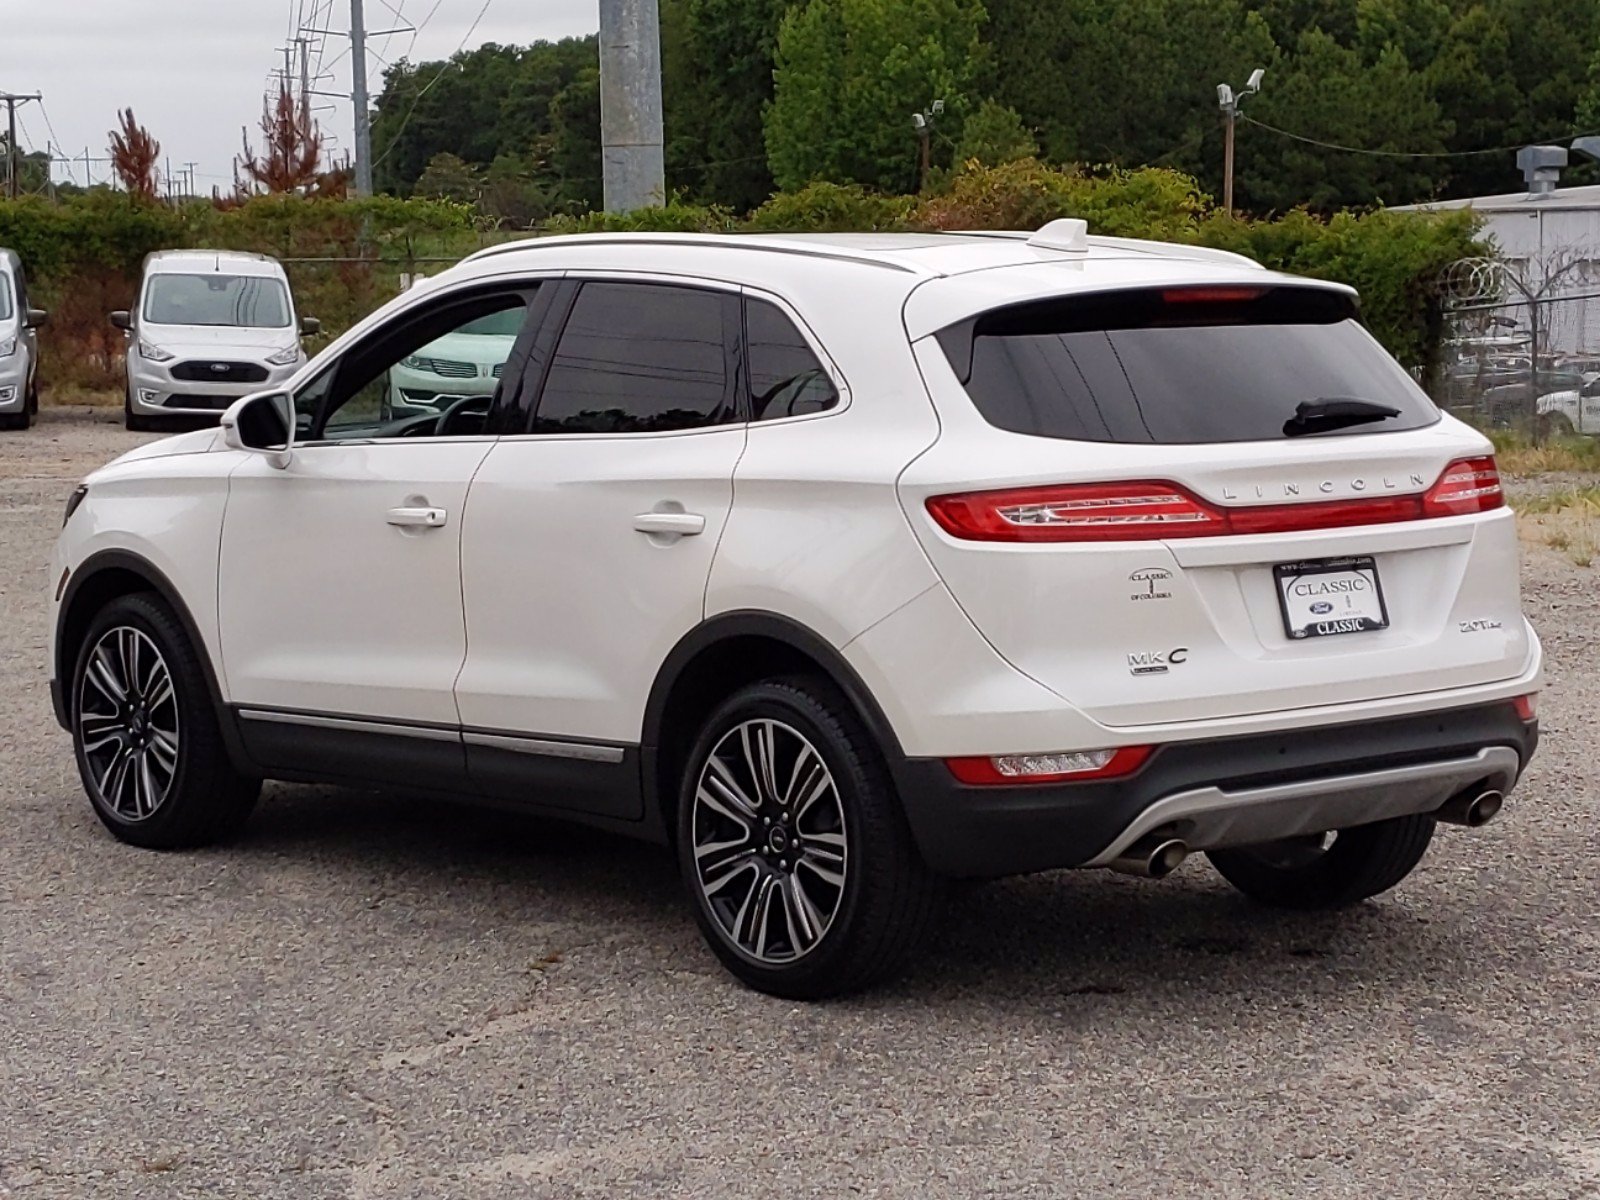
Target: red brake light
{"type": "Point", "coordinates": [1154, 510]}
{"type": "Point", "coordinates": [1076, 766]}
{"type": "Point", "coordinates": [1527, 706]}
{"type": "Point", "coordinates": [1211, 295]}
{"type": "Point", "coordinates": [1467, 486]}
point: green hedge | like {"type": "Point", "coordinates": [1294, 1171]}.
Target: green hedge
{"type": "Point", "coordinates": [84, 254]}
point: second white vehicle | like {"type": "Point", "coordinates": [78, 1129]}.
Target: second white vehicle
{"type": "Point", "coordinates": [210, 326]}
{"type": "Point", "coordinates": [844, 565]}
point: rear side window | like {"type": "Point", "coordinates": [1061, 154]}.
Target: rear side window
{"type": "Point", "coordinates": [640, 358]}
{"type": "Point", "coordinates": [1183, 366]}
{"type": "Point", "coordinates": [786, 377]}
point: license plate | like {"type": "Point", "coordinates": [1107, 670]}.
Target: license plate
{"type": "Point", "coordinates": [1330, 596]}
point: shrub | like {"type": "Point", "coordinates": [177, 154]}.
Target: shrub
{"type": "Point", "coordinates": [832, 208]}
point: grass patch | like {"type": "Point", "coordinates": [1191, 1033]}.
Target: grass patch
{"type": "Point", "coordinates": [66, 395]}
{"type": "Point", "coordinates": [1518, 455]}
{"type": "Point", "coordinates": [1566, 521]}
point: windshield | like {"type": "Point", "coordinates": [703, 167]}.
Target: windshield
{"type": "Point", "coordinates": [240, 301]}
{"type": "Point", "coordinates": [5, 296]}
{"type": "Point", "coordinates": [1184, 366]}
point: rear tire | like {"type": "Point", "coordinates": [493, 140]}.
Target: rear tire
{"type": "Point", "coordinates": [1310, 873]}
{"type": "Point", "coordinates": [805, 879]}
{"type": "Point", "coordinates": [145, 732]}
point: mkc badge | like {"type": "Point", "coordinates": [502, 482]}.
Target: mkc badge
{"type": "Point", "coordinates": [1157, 662]}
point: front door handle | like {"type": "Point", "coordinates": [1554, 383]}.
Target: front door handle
{"type": "Point", "coordinates": [681, 523]}
{"type": "Point", "coordinates": [418, 518]}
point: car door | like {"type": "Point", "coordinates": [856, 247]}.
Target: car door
{"type": "Point", "coordinates": [339, 590]}
{"type": "Point", "coordinates": [589, 539]}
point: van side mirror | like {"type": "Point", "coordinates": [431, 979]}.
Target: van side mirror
{"type": "Point", "coordinates": [122, 319]}
{"type": "Point", "coordinates": [262, 424]}
{"type": "Point", "coordinates": [310, 326]}
{"type": "Point", "coordinates": [38, 318]}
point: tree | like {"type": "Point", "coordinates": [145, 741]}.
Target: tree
{"type": "Point", "coordinates": [1326, 93]}
{"type": "Point", "coordinates": [994, 135]}
{"type": "Point", "coordinates": [447, 177]}
{"type": "Point", "coordinates": [293, 158]}
{"type": "Point", "coordinates": [716, 77]}
{"type": "Point", "coordinates": [134, 154]}
{"type": "Point", "coordinates": [849, 75]}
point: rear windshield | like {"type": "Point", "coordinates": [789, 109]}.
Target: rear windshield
{"type": "Point", "coordinates": [240, 301]}
{"type": "Point", "coordinates": [1184, 366]}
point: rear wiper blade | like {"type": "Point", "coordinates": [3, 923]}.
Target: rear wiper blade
{"type": "Point", "coordinates": [1328, 413]}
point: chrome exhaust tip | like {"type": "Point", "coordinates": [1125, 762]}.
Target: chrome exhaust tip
{"type": "Point", "coordinates": [1472, 809]}
{"type": "Point", "coordinates": [1151, 857]}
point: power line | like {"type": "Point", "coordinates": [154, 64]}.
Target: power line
{"type": "Point", "coordinates": [1311, 141]}
{"type": "Point", "coordinates": [417, 99]}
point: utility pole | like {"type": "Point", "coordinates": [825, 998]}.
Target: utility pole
{"type": "Point", "coordinates": [634, 166]}
{"type": "Point", "coordinates": [358, 97]}
{"type": "Point", "coordinates": [923, 123]}
{"type": "Point", "coordinates": [1228, 100]}
{"type": "Point", "coordinates": [11, 100]}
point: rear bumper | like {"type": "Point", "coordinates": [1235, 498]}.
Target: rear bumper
{"type": "Point", "coordinates": [1224, 791]}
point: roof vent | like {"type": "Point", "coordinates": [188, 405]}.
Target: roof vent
{"type": "Point", "coordinates": [1541, 167]}
{"type": "Point", "coordinates": [1069, 234]}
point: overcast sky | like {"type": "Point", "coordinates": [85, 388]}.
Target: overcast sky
{"type": "Point", "coordinates": [194, 71]}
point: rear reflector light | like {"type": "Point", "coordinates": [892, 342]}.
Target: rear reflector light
{"type": "Point", "coordinates": [1075, 765]}
{"type": "Point", "coordinates": [1527, 706]}
{"type": "Point", "coordinates": [1153, 510]}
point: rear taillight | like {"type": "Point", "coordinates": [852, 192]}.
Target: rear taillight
{"type": "Point", "coordinates": [1468, 486]}
{"type": "Point", "coordinates": [1527, 706]}
{"type": "Point", "coordinates": [1076, 766]}
{"type": "Point", "coordinates": [1155, 510]}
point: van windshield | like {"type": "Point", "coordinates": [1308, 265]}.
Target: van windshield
{"type": "Point", "coordinates": [240, 301]}
{"type": "Point", "coordinates": [1184, 366]}
{"type": "Point", "coordinates": [5, 296]}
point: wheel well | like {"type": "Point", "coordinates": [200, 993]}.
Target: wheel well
{"type": "Point", "coordinates": [89, 597]}
{"type": "Point", "coordinates": [714, 673]}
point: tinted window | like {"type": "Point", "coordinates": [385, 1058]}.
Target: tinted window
{"type": "Point", "coordinates": [638, 357]}
{"type": "Point", "coordinates": [1168, 367]}
{"type": "Point", "coordinates": [241, 301]}
{"type": "Point", "coordinates": [786, 377]}
{"type": "Point", "coordinates": [5, 297]}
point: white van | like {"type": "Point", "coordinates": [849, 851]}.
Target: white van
{"type": "Point", "coordinates": [19, 346]}
{"type": "Point", "coordinates": [210, 326]}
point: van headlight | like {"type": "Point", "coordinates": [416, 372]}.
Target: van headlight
{"type": "Point", "coordinates": [8, 347]}
{"type": "Point", "coordinates": [286, 357]}
{"type": "Point", "coordinates": [150, 352]}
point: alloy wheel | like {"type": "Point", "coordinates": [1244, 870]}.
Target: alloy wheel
{"type": "Point", "coordinates": [128, 724]}
{"type": "Point", "coordinates": [770, 847]}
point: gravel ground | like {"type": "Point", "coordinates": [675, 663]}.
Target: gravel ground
{"type": "Point", "coordinates": [373, 997]}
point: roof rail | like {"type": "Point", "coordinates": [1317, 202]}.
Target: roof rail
{"type": "Point", "coordinates": [763, 243]}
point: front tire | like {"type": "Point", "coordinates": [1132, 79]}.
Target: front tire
{"type": "Point", "coordinates": [1328, 870]}
{"type": "Point", "coordinates": [133, 422]}
{"type": "Point", "coordinates": [805, 878]}
{"type": "Point", "coordinates": [148, 744]}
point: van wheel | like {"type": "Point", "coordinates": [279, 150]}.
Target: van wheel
{"type": "Point", "coordinates": [148, 744]}
{"type": "Point", "coordinates": [132, 422]}
{"type": "Point", "coordinates": [805, 878]}
{"type": "Point", "coordinates": [1328, 870]}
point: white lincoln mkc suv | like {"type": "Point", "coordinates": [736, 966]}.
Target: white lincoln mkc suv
{"type": "Point", "coordinates": [844, 565]}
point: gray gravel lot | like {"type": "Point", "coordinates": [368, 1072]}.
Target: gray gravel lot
{"type": "Point", "coordinates": [369, 996]}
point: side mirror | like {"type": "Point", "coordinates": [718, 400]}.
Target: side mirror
{"type": "Point", "coordinates": [262, 424]}
{"type": "Point", "coordinates": [38, 318]}
{"type": "Point", "coordinates": [310, 326]}
{"type": "Point", "coordinates": [122, 319]}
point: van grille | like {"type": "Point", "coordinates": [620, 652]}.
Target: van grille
{"type": "Point", "coordinates": [207, 371]}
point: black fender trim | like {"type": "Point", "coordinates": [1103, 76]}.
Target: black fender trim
{"type": "Point", "coordinates": [66, 657]}
{"type": "Point", "coordinates": [753, 623]}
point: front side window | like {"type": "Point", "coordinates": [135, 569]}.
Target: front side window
{"type": "Point", "coordinates": [786, 377]}
{"type": "Point", "coordinates": [6, 307]}
{"type": "Point", "coordinates": [639, 358]}
{"type": "Point", "coordinates": [435, 374]}
{"type": "Point", "coordinates": [237, 301]}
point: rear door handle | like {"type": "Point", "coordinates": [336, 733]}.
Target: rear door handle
{"type": "Point", "coordinates": [682, 524]}
{"type": "Point", "coordinates": [418, 518]}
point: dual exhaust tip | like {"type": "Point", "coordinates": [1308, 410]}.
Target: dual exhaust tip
{"type": "Point", "coordinates": [1155, 857]}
